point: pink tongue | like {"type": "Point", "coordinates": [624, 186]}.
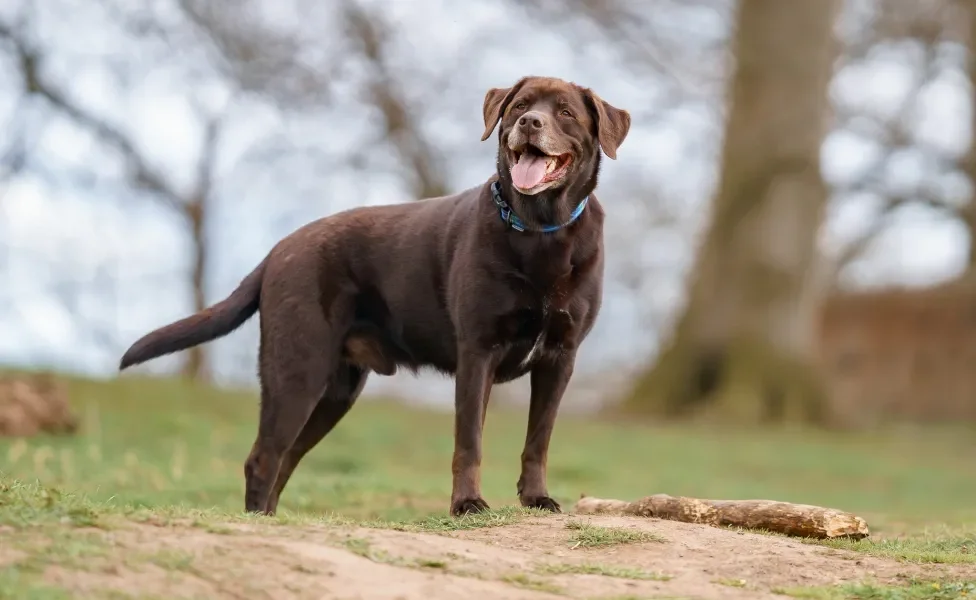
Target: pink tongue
{"type": "Point", "coordinates": [529, 171]}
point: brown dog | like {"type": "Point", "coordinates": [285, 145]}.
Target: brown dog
{"type": "Point", "coordinates": [498, 281]}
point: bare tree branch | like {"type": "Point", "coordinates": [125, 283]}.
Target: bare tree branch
{"type": "Point", "coordinates": [14, 156]}
{"type": "Point", "coordinates": [633, 27]}
{"type": "Point", "coordinates": [370, 34]}
{"type": "Point", "coordinates": [258, 59]}
{"type": "Point", "coordinates": [928, 23]}
{"type": "Point", "coordinates": [30, 60]}
{"type": "Point", "coordinates": [208, 156]}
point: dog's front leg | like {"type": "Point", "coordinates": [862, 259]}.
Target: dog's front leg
{"type": "Point", "coordinates": [472, 383]}
{"type": "Point", "coordinates": [549, 380]}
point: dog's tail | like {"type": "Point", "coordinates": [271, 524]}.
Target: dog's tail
{"type": "Point", "coordinates": [208, 324]}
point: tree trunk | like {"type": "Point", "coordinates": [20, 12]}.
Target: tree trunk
{"type": "Point", "coordinates": [196, 366]}
{"type": "Point", "coordinates": [967, 215]}
{"type": "Point", "coordinates": [744, 347]}
{"type": "Point", "coordinates": [968, 212]}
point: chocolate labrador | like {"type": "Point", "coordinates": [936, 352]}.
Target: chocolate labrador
{"type": "Point", "coordinates": [487, 285]}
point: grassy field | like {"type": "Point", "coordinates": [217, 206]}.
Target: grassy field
{"type": "Point", "coordinates": [164, 443]}
{"type": "Point", "coordinates": [169, 448]}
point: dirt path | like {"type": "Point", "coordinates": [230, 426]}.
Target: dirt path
{"type": "Point", "coordinates": [534, 559]}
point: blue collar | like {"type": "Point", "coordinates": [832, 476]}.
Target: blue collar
{"type": "Point", "coordinates": [508, 215]}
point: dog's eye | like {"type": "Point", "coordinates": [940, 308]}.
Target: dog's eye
{"type": "Point", "coordinates": [520, 106]}
{"type": "Point", "coordinates": [566, 113]}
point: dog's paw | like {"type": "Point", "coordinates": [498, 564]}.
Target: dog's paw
{"type": "Point", "coordinates": [468, 506]}
{"type": "Point", "coordinates": [542, 503]}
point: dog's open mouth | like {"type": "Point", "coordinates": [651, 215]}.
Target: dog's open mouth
{"type": "Point", "coordinates": [532, 167]}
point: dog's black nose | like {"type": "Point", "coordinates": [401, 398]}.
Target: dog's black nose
{"type": "Point", "coordinates": [532, 120]}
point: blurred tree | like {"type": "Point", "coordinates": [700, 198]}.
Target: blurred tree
{"type": "Point", "coordinates": [220, 57]}
{"type": "Point", "coordinates": [967, 212]}
{"type": "Point", "coordinates": [236, 53]}
{"type": "Point", "coordinates": [744, 343]}
{"type": "Point", "coordinates": [370, 34]}
{"type": "Point", "coordinates": [922, 40]}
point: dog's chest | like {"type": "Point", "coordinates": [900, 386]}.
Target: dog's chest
{"type": "Point", "coordinates": [529, 334]}
{"type": "Point", "coordinates": [540, 318]}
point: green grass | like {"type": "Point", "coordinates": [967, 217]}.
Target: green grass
{"type": "Point", "coordinates": [736, 583]}
{"type": "Point", "coordinates": [604, 570]}
{"type": "Point", "coordinates": [940, 546]}
{"type": "Point", "coordinates": [586, 535]}
{"type": "Point", "coordinates": [867, 591]}
{"type": "Point", "coordinates": [165, 444]}
{"type": "Point", "coordinates": [524, 581]}
{"type": "Point", "coordinates": [165, 451]}
{"type": "Point", "coordinates": [499, 517]}
{"type": "Point", "coordinates": [172, 560]}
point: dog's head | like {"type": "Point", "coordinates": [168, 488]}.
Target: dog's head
{"type": "Point", "coordinates": [551, 133]}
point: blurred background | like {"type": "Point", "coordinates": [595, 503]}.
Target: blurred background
{"type": "Point", "coordinates": [789, 222]}
{"type": "Point", "coordinates": [790, 299]}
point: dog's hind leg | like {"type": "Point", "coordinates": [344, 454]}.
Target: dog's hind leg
{"type": "Point", "coordinates": [340, 395]}
{"type": "Point", "coordinates": [299, 356]}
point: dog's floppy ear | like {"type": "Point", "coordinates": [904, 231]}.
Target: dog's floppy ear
{"type": "Point", "coordinates": [612, 123]}
{"type": "Point", "coordinates": [496, 100]}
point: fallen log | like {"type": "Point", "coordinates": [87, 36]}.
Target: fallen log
{"type": "Point", "coordinates": [798, 520]}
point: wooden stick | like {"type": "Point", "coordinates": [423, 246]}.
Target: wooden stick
{"type": "Point", "coordinates": [800, 520]}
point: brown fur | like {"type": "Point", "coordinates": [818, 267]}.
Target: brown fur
{"type": "Point", "coordinates": [441, 284]}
